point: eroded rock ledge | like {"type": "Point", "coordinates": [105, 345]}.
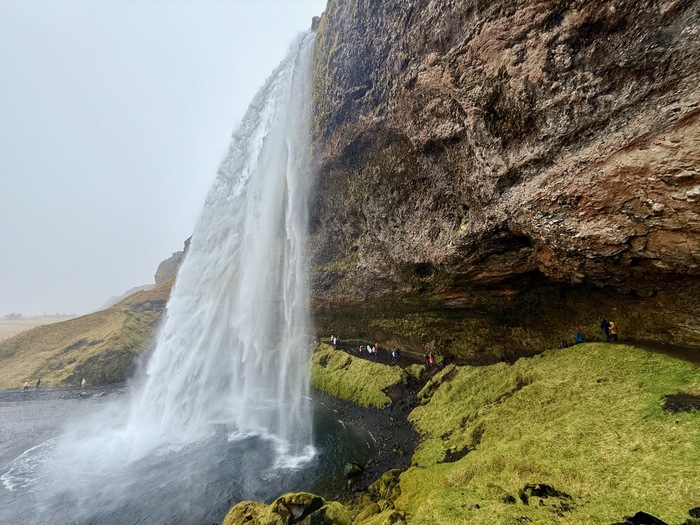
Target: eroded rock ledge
{"type": "Point", "coordinates": [488, 156]}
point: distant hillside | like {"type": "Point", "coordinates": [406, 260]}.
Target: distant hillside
{"type": "Point", "coordinates": [115, 299]}
{"type": "Point", "coordinates": [99, 347]}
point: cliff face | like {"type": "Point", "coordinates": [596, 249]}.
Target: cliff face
{"type": "Point", "coordinates": [487, 155]}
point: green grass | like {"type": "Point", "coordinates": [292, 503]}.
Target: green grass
{"type": "Point", "coordinates": [358, 380]}
{"type": "Point", "coordinates": [586, 420]}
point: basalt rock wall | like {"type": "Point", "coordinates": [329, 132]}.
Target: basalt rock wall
{"type": "Point", "coordinates": [510, 163]}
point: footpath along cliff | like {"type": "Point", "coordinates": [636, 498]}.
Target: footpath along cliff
{"type": "Point", "coordinates": [494, 175]}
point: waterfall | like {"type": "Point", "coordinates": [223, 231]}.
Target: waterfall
{"type": "Point", "coordinates": [221, 413]}
{"type": "Point", "coordinates": [234, 347]}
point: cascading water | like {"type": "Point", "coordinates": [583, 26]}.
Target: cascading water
{"type": "Point", "coordinates": [223, 412]}
{"type": "Point", "coordinates": [234, 348]}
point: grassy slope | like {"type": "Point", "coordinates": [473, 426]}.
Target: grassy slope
{"type": "Point", "coordinates": [358, 380]}
{"type": "Point", "coordinates": [587, 421]}
{"type": "Point", "coordinates": [99, 347]}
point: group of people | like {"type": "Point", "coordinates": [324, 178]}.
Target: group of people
{"type": "Point", "coordinates": [25, 387]}
{"type": "Point", "coordinates": [372, 351]}
{"type": "Point", "coordinates": [609, 329]}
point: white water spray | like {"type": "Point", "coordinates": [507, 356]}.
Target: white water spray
{"type": "Point", "coordinates": [234, 348]}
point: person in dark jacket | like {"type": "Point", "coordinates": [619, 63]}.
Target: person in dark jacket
{"type": "Point", "coordinates": [605, 327]}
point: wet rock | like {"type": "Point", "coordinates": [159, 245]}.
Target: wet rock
{"type": "Point", "coordinates": [296, 506]}
{"type": "Point", "coordinates": [352, 469]}
{"type": "Point", "coordinates": [641, 518]}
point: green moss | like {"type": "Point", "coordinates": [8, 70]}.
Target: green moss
{"type": "Point", "coordinates": [252, 513]}
{"type": "Point", "coordinates": [585, 420]}
{"type": "Point", "coordinates": [358, 380]}
{"type": "Point", "coordinates": [415, 370]}
{"type": "Point", "coordinates": [345, 263]}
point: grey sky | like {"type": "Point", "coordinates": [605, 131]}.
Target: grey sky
{"type": "Point", "coordinates": [114, 116]}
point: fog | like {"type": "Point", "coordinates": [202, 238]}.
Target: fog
{"type": "Point", "coordinates": [116, 115]}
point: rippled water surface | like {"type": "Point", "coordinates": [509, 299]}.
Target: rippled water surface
{"type": "Point", "coordinates": [50, 473]}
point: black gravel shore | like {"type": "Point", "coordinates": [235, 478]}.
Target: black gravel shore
{"type": "Point", "coordinates": [393, 436]}
{"type": "Point", "coordinates": [48, 394]}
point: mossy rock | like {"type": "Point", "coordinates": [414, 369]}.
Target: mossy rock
{"type": "Point", "coordinates": [332, 513]}
{"type": "Point", "coordinates": [387, 517]}
{"type": "Point", "coordinates": [252, 513]}
{"type": "Point", "coordinates": [298, 508]}
{"type": "Point", "coordinates": [415, 370]}
{"type": "Point", "coordinates": [367, 512]}
{"type": "Point", "coordinates": [387, 486]}
{"type": "Point", "coordinates": [295, 506]}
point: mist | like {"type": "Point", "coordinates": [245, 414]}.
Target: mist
{"type": "Point", "coordinates": [117, 115]}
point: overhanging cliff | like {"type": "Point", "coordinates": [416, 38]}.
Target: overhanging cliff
{"type": "Point", "coordinates": [508, 170]}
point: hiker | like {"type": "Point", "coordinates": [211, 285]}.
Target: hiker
{"type": "Point", "coordinates": [359, 350]}
{"type": "Point", "coordinates": [431, 358]}
{"type": "Point", "coordinates": [393, 356]}
{"type": "Point", "coordinates": [579, 337]}
{"type": "Point", "coordinates": [427, 359]}
{"type": "Point", "coordinates": [613, 331]}
{"type": "Point", "coordinates": [605, 327]}
{"type": "Point", "coordinates": [38, 382]}
{"type": "Point", "coordinates": [26, 386]}
{"type": "Point", "coordinates": [82, 383]}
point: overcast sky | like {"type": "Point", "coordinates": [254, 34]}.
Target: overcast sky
{"type": "Point", "coordinates": [114, 116]}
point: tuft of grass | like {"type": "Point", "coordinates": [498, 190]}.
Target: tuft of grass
{"type": "Point", "coordinates": [358, 380]}
{"type": "Point", "coordinates": [586, 421]}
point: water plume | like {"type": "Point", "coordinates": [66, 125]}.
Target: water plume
{"type": "Point", "coordinates": [235, 345]}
